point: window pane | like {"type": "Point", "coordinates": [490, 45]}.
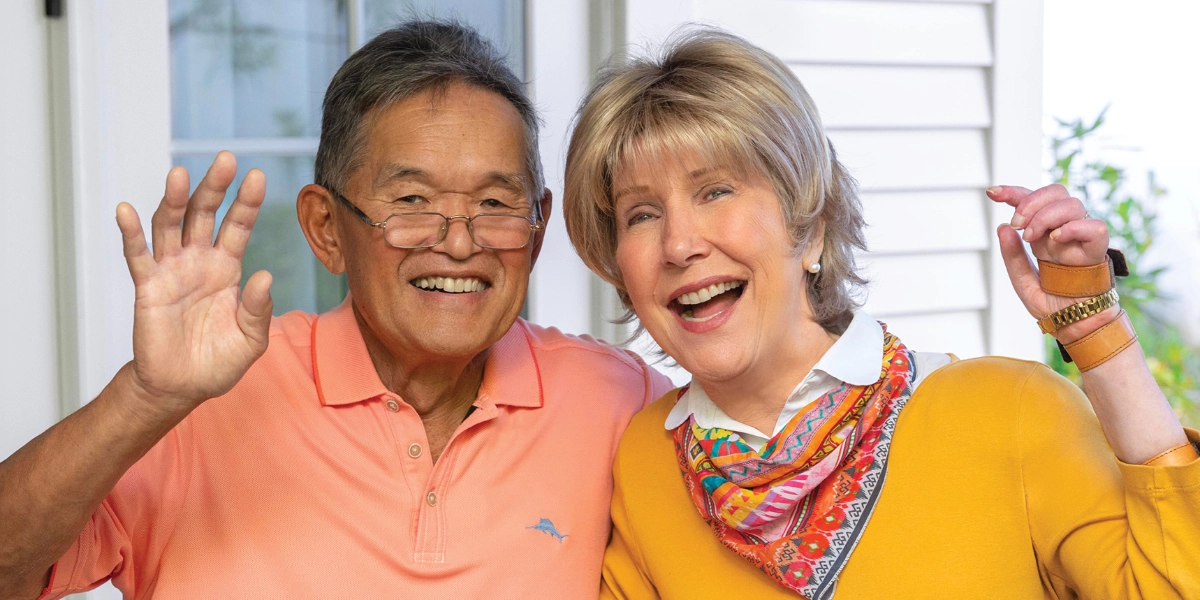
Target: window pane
{"type": "Point", "coordinates": [301, 282]}
{"type": "Point", "coordinates": [253, 68]}
{"type": "Point", "coordinates": [502, 21]}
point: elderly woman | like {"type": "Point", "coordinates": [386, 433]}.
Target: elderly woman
{"type": "Point", "coordinates": [813, 451]}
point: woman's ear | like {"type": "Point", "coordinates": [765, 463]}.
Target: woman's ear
{"type": "Point", "coordinates": [315, 207]}
{"type": "Point", "coordinates": [816, 245]}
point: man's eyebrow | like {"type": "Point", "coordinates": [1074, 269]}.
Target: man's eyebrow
{"type": "Point", "coordinates": [510, 181]}
{"type": "Point", "coordinates": [392, 172]}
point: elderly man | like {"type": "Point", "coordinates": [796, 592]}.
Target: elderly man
{"type": "Point", "coordinates": [420, 440]}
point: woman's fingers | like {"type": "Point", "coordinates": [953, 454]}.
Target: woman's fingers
{"type": "Point", "coordinates": [201, 213]}
{"type": "Point", "coordinates": [1091, 235]}
{"type": "Point", "coordinates": [1038, 199]}
{"type": "Point", "coordinates": [1052, 215]}
{"type": "Point", "coordinates": [133, 241]}
{"type": "Point", "coordinates": [239, 220]}
{"type": "Point", "coordinates": [1011, 195]}
{"type": "Point", "coordinates": [165, 224]}
{"type": "Point", "coordinates": [1020, 269]}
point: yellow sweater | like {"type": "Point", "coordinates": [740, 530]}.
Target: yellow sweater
{"type": "Point", "coordinates": [1000, 485]}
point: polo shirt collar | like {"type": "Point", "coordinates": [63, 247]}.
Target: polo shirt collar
{"type": "Point", "coordinates": [345, 374]}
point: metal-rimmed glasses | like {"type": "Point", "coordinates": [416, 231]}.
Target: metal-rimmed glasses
{"type": "Point", "coordinates": [427, 229]}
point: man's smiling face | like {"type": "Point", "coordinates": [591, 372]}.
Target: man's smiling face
{"type": "Point", "coordinates": [457, 151]}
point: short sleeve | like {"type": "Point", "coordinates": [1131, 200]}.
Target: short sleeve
{"type": "Point", "coordinates": [125, 537]}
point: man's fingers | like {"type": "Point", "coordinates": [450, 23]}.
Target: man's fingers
{"type": "Point", "coordinates": [165, 224]}
{"type": "Point", "coordinates": [1011, 195]}
{"type": "Point", "coordinates": [254, 311]}
{"type": "Point", "coordinates": [239, 220]}
{"type": "Point", "coordinates": [1052, 216]}
{"type": "Point", "coordinates": [133, 240]}
{"type": "Point", "coordinates": [201, 213]}
{"type": "Point", "coordinates": [1020, 269]}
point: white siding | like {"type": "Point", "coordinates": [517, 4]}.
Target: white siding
{"type": "Point", "coordinates": [910, 95]}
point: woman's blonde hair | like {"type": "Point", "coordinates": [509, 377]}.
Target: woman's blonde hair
{"type": "Point", "coordinates": [714, 93]}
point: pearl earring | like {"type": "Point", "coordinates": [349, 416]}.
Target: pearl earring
{"type": "Point", "coordinates": [814, 268]}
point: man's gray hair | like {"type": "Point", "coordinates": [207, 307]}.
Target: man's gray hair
{"type": "Point", "coordinates": [414, 57]}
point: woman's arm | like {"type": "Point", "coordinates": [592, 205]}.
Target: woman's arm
{"type": "Point", "coordinates": [1134, 413]}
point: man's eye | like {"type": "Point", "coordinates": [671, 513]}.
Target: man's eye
{"type": "Point", "coordinates": [409, 200]}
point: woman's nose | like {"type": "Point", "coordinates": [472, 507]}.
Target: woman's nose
{"type": "Point", "coordinates": [683, 239]}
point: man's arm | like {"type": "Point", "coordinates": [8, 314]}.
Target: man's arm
{"type": "Point", "coordinates": [193, 339]}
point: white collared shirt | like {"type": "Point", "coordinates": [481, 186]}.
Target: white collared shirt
{"type": "Point", "coordinates": [854, 359]}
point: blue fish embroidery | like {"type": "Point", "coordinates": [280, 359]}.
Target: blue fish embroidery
{"type": "Point", "coordinates": [545, 526]}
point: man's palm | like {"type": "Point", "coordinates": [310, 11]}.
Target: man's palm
{"type": "Point", "coordinates": [193, 337]}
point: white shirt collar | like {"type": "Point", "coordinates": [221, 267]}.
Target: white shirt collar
{"type": "Point", "coordinates": [854, 358]}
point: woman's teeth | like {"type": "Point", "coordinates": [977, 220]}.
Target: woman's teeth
{"type": "Point", "coordinates": [706, 294]}
{"type": "Point", "coordinates": [450, 284]}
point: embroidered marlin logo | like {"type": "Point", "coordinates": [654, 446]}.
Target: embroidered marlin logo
{"type": "Point", "coordinates": [545, 526]}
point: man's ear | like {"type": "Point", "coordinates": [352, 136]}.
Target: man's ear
{"type": "Point", "coordinates": [315, 207]}
{"type": "Point", "coordinates": [546, 205]}
{"type": "Point", "coordinates": [816, 244]}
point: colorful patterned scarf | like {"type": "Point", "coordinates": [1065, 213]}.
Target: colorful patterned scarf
{"type": "Point", "coordinates": [797, 509]}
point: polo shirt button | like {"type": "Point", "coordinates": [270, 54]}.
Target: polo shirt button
{"type": "Point", "coordinates": [414, 450]}
{"type": "Point", "coordinates": [393, 405]}
{"type": "Point", "coordinates": [431, 498]}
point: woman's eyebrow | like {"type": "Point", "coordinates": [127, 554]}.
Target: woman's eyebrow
{"type": "Point", "coordinates": [629, 190]}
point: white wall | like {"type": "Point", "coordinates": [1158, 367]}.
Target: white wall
{"type": "Point", "coordinates": [928, 103]}
{"type": "Point", "coordinates": [560, 293]}
{"type": "Point", "coordinates": [28, 389]}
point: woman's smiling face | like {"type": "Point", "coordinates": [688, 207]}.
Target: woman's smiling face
{"type": "Point", "coordinates": [709, 265]}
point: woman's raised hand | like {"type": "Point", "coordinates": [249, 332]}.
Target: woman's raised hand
{"type": "Point", "coordinates": [193, 336]}
{"type": "Point", "coordinates": [1058, 229]}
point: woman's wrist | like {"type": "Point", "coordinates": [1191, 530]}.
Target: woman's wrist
{"type": "Point", "coordinates": [1069, 334]}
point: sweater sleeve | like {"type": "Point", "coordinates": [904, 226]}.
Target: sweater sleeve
{"type": "Point", "coordinates": [623, 577]}
{"type": "Point", "coordinates": [1102, 529]}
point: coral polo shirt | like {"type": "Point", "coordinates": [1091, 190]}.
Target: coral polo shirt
{"type": "Point", "coordinates": [311, 480]}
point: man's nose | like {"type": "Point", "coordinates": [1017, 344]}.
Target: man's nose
{"type": "Point", "coordinates": [458, 243]}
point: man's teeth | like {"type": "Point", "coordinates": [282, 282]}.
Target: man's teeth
{"type": "Point", "coordinates": [450, 284]}
{"type": "Point", "coordinates": [707, 293]}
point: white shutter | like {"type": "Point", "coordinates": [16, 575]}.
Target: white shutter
{"type": "Point", "coordinates": [927, 103]}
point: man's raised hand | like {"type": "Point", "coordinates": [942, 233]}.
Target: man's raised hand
{"type": "Point", "coordinates": [193, 336]}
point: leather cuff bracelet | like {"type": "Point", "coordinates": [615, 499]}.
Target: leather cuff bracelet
{"type": "Point", "coordinates": [1082, 282]}
{"type": "Point", "coordinates": [1102, 344]}
{"type": "Point", "coordinates": [1179, 455]}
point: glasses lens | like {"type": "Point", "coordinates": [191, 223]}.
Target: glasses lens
{"type": "Point", "coordinates": [417, 230]}
{"type": "Point", "coordinates": [501, 232]}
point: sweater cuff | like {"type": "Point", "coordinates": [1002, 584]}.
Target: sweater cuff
{"type": "Point", "coordinates": [1155, 480]}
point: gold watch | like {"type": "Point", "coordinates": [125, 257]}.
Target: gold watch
{"type": "Point", "coordinates": [1078, 311]}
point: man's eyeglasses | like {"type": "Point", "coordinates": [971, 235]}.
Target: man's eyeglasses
{"type": "Point", "coordinates": [428, 229]}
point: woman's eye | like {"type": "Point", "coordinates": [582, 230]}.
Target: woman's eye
{"type": "Point", "coordinates": [638, 218]}
{"type": "Point", "coordinates": [715, 193]}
